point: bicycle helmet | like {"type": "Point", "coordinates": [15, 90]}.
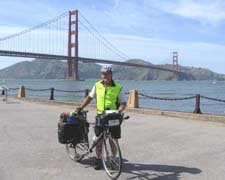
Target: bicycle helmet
{"type": "Point", "coordinates": [106, 69]}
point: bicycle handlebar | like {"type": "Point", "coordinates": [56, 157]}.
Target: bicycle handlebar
{"type": "Point", "coordinates": [82, 112]}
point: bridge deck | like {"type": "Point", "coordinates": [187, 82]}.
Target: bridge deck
{"type": "Point", "coordinates": [154, 147]}
{"type": "Point", "coordinates": [82, 59]}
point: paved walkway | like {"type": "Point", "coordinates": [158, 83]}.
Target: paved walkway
{"type": "Point", "coordinates": [154, 147]}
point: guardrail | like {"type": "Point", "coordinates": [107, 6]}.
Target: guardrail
{"type": "Point", "coordinates": [4, 92]}
{"type": "Point", "coordinates": [22, 91]}
{"type": "Point", "coordinates": [133, 99]}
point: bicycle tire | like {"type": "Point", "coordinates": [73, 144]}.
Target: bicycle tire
{"type": "Point", "coordinates": [77, 151]}
{"type": "Point", "coordinates": [112, 163]}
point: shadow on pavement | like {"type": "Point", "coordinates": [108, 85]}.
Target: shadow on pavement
{"type": "Point", "coordinates": [89, 162]}
{"type": "Point", "coordinates": [149, 171]}
{"type": "Point", "coordinates": [156, 171]}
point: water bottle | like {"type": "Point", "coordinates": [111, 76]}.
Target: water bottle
{"type": "Point", "coordinates": [94, 139]}
{"type": "Point", "coordinates": [72, 118]}
{"type": "Point", "coordinates": [73, 113]}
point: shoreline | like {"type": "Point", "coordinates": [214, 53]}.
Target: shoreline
{"type": "Point", "coordinates": [144, 111]}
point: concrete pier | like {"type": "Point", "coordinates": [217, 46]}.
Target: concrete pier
{"type": "Point", "coordinates": [153, 146]}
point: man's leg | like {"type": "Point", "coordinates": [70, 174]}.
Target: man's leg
{"type": "Point", "coordinates": [116, 134]}
{"type": "Point", "coordinates": [98, 148]}
{"type": "Point", "coordinates": [113, 147]}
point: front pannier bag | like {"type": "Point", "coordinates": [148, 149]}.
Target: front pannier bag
{"type": "Point", "coordinates": [69, 128]}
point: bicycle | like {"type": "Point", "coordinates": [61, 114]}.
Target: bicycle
{"type": "Point", "coordinates": [111, 153]}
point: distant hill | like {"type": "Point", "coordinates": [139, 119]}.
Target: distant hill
{"type": "Point", "coordinates": [188, 73]}
{"type": "Point", "coordinates": [47, 69]}
{"type": "Point", "coordinates": [52, 69]}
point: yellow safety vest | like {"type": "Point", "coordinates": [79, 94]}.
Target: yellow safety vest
{"type": "Point", "coordinates": [107, 97]}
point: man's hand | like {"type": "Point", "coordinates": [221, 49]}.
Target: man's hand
{"type": "Point", "coordinates": [79, 109]}
{"type": "Point", "coordinates": [87, 100]}
{"type": "Point", "coordinates": [122, 107]}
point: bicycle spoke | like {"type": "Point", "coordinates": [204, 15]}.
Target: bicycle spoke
{"type": "Point", "coordinates": [78, 147]}
{"type": "Point", "coordinates": [115, 162]}
{"type": "Point", "coordinates": [76, 152]}
{"type": "Point", "coordinates": [111, 157]}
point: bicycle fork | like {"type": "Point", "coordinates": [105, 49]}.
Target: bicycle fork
{"type": "Point", "coordinates": [95, 143]}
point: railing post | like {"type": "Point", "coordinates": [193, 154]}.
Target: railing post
{"type": "Point", "coordinates": [133, 101]}
{"type": "Point", "coordinates": [6, 94]}
{"type": "Point", "coordinates": [86, 92]}
{"type": "Point", "coordinates": [52, 94]}
{"type": "Point", "coordinates": [21, 92]}
{"type": "Point", "coordinates": [197, 104]}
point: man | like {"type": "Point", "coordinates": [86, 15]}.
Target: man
{"type": "Point", "coordinates": [109, 96]}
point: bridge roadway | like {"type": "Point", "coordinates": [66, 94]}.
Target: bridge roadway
{"type": "Point", "coordinates": [81, 59]}
{"type": "Point", "coordinates": [154, 147]}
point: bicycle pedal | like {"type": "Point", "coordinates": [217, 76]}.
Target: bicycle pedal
{"type": "Point", "coordinates": [71, 146]}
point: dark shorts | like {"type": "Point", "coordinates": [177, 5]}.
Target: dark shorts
{"type": "Point", "coordinates": [115, 131]}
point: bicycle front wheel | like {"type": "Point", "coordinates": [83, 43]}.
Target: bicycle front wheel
{"type": "Point", "coordinates": [111, 157]}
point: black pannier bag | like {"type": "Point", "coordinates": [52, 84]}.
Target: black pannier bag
{"type": "Point", "coordinates": [113, 116]}
{"type": "Point", "coordinates": [102, 120]}
{"type": "Point", "coordinates": [69, 132]}
{"type": "Point", "coordinates": [72, 131]}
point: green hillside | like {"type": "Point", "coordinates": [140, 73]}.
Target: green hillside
{"type": "Point", "coordinates": [52, 69]}
{"type": "Point", "coordinates": [47, 69]}
{"type": "Point", "coordinates": [187, 73]}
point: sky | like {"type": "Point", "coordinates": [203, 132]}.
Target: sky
{"type": "Point", "coordinates": [144, 29]}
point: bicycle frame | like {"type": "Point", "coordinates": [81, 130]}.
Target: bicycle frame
{"type": "Point", "coordinates": [108, 143]}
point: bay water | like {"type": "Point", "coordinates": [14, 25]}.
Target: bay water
{"type": "Point", "coordinates": [169, 89]}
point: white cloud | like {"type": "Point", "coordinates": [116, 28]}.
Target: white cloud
{"type": "Point", "coordinates": [156, 50]}
{"type": "Point", "coordinates": [205, 11]}
{"type": "Point", "coordinates": [159, 51]}
{"type": "Point", "coordinates": [122, 15]}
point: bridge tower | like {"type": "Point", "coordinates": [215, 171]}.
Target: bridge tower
{"type": "Point", "coordinates": [72, 61]}
{"type": "Point", "coordinates": [175, 61]}
{"type": "Point", "coordinates": [175, 64]}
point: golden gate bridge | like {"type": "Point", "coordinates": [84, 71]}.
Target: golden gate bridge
{"type": "Point", "coordinates": [71, 37]}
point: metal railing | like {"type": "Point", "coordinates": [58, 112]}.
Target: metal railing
{"type": "Point", "coordinates": [197, 97]}
{"type": "Point", "coordinates": [51, 90]}
{"type": "Point", "coordinates": [4, 92]}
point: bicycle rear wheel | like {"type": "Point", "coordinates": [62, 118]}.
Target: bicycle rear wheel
{"type": "Point", "coordinates": [111, 157]}
{"type": "Point", "coordinates": [76, 152]}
